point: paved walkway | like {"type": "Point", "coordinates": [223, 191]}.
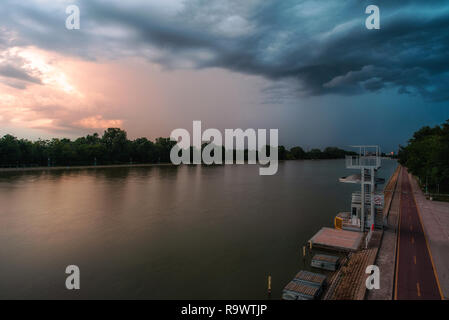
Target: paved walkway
{"type": "Point", "coordinates": [415, 273]}
{"type": "Point", "coordinates": [435, 220]}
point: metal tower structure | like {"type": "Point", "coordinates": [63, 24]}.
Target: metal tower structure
{"type": "Point", "coordinates": [368, 161]}
{"type": "Point", "coordinates": [367, 204]}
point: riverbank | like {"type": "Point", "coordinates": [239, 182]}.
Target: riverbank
{"type": "Point", "coordinates": [85, 167]}
{"type": "Point", "coordinates": [16, 169]}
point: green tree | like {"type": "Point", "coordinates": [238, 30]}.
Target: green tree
{"type": "Point", "coordinates": [144, 151]}
{"type": "Point", "coordinates": [163, 147]}
{"type": "Point", "coordinates": [117, 145]}
{"type": "Point", "coordinates": [334, 153]}
{"type": "Point", "coordinates": [298, 153]}
{"type": "Point", "coordinates": [9, 150]}
{"type": "Point", "coordinates": [426, 156]}
{"type": "Point", "coordinates": [315, 154]}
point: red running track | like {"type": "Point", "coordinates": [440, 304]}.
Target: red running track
{"type": "Point", "coordinates": [415, 274]}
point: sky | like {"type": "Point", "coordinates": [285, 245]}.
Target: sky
{"type": "Point", "coordinates": [308, 68]}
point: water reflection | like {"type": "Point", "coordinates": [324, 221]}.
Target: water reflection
{"type": "Point", "coordinates": [164, 232]}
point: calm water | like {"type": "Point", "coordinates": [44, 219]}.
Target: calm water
{"type": "Point", "coordinates": [164, 232]}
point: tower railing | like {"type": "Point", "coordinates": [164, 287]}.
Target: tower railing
{"type": "Point", "coordinates": [358, 162]}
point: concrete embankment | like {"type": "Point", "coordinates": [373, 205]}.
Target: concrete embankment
{"type": "Point", "coordinates": [386, 256]}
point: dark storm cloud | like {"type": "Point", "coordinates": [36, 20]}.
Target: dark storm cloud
{"type": "Point", "coordinates": [14, 72]}
{"type": "Point", "coordinates": [323, 47]}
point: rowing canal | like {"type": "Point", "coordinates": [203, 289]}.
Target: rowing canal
{"type": "Point", "coordinates": [188, 232]}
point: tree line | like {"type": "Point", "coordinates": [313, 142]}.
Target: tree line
{"type": "Point", "coordinates": [114, 147]}
{"type": "Point", "coordinates": [427, 156]}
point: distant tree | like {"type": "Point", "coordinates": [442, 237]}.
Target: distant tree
{"type": "Point", "coordinates": [144, 151]}
{"type": "Point", "coordinates": [40, 152]}
{"type": "Point", "coordinates": [298, 153]}
{"type": "Point", "coordinates": [117, 145]}
{"type": "Point", "coordinates": [163, 147]}
{"type": "Point", "coordinates": [9, 150]}
{"type": "Point", "coordinates": [315, 154]}
{"type": "Point", "coordinates": [333, 153]}
{"type": "Point", "coordinates": [282, 153]}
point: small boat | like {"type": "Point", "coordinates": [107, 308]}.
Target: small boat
{"type": "Point", "coordinates": [357, 178]}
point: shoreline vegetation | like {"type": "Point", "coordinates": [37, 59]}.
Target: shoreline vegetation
{"type": "Point", "coordinates": [426, 156]}
{"type": "Point", "coordinates": [114, 149]}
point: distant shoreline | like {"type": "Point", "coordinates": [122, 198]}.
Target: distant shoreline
{"type": "Point", "coordinates": [18, 169]}
{"type": "Point", "coordinates": [84, 167]}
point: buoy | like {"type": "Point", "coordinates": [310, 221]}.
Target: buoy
{"type": "Point", "coordinates": [269, 284]}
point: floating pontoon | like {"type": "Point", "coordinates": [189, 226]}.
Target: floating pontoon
{"type": "Point", "coordinates": [324, 261]}
{"type": "Point", "coordinates": [337, 240]}
{"type": "Point", "coordinates": [305, 286]}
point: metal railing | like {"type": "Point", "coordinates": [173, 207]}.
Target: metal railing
{"type": "Point", "coordinates": [378, 198]}
{"type": "Point", "coordinates": [357, 162]}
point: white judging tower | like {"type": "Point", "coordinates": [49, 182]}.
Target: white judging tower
{"type": "Point", "coordinates": [367, 204]}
